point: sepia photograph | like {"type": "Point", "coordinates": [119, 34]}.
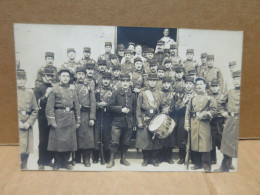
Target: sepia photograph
{"type": "Point", "coordinates": [116, 98]}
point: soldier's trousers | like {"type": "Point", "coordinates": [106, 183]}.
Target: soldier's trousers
{"type": "Point", "coordinates": [61, 158]}
{"type": "Point", "coordinates": [226, 163]}
{"type": "Point", "coordinates": [120, 137]}
{"type": "Point", "coordinates": [202, 159]}
{"type": "Point", "coordinates": [150, 155]}
{"type": "Point", "coordinates": [165, 154]}
{"type": "Point", "coordinates": [24, 159]}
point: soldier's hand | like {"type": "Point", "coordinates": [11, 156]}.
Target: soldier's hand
{"type": "Point", "coordinates": [136, 90]}
{"type": "Point", "coordinates": [125, 110]}
{"type": "Point", "coordinates": [26, 125]}
{"type": "Point", "coordinates": [225, 114]}
{"type": "Point", "coordinates": [54, 126]}
{"type": "Point", "coordinates": [140, 126]}
{"type": "Point", "coordinates": [187, 129]}
{"type": "Point", "coordinates": [91, 123]}
{"type": "Point", "coordinates": [21, 125]}
{"type": "Point", "coordinates": [77, 125]}
{"type": "Point", "coordinates": [102, 104]}
{"type": "Point", "coordinates": [48, 91]}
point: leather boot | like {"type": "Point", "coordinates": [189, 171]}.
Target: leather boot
{"type": "Point", "coordinates": [123, 160]}
{"type": "Point", "coordinates": [111, 161]}
{"type": "Point", "coordinates": [169, 156]}
{"type": "Point", "coordinates": [87, 160]}
{"type": "Point", "coordinates": [146, 158]}
{"type": "Point", "coordinates": [95, 155]}
{"type": "Point", "coordinates": [107, 155]}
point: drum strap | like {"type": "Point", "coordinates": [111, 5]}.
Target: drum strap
{"type": "Point", "coordinates": [150, 98]}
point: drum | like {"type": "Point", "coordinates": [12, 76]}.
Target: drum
{"type": "Point", "coordinates": [162, 126]}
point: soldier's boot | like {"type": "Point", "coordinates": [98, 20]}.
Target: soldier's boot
{"type": "Point", "coordinates": [222, 167]}
{"type": "Point", "coordinates": [146, 158]}
{"type": "Point", "coordinates": [123, 160]}
{"type": "Point", "coordinates": [154, 158]}
{"type": "Point", "coordinates": [95, 155]}
{"type": "Point", "coordinates": [182, 155]}
{"type": "Point", "coordinates": [169, 156]}
{"type": "Point", "coordinates": [107, 156]}
{"type": "Point", "coordinates": [86, 157]}
{"type": "Point", "coordinates": [112, 160]}
{"type": "Point", "coordinates": [24, 160]}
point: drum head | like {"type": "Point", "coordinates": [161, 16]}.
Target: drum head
{"type": "Point", "coordinates": [156, 122]}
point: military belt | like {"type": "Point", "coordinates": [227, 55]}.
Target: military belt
{"type": "Point", "coordinates": [65, 109]}
{"type": "Point", "coordinates": [84, 108]}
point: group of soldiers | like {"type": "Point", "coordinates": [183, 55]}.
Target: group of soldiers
{"type": "Point", "coordinates": [94, 108]}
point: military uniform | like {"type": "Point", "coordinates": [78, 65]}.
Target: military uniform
{"type": "Point", "coordinates": [122, 124]}
{"type": "Point", "coordinates": [127, 67]}
{"type": "Point", "coordinates": [45, 156]}
{"type": "Point", "coordinates": [160, 56]}
{"type": "Point", "coordinates": [91, 81]}
{"type": "Point", "coordinates": [179, 84]}
{"type": "Point", "coordinates": [174, 58]}
{"type": "Point", "coordinates": [189, 64]}
{"type": "Point", "coordinates": [105, 56]}
{"type": "Point", "coordinates": [85, 133]}
{"type": "Point", "coordinates": [104, 116]}
{"type": "Point", "coordinates": [120, 47]}
{"type": "Point", "coordinates": [203, 66]}
{"type": "Point", "coordinates": [116, 81]}
{"type": "Point", "coordinates": [63, 110]}
{"type": "Point", "coordinates": [201, 139]}
{"type": "Point", "coordinates": [149, 104]}
{"type": "Point", "coordinates": [27, 113]}
{"type": "Point", "coordinates": [84, 61]}
{"type": "Point", "coordinates": [99, 74]}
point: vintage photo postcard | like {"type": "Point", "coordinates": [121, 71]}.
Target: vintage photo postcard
{"type": "Point", "coordinates": [113, 98]}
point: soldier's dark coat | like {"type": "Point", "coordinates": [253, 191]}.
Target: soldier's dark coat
{"type": "Point", "coordinates": [40, 74]}
{"type": "Point", "coordinates": [63, 138]}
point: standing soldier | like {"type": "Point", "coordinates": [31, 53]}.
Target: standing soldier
{"type": "Point", "coordinates": [122, 105]}
{"type": "Point", "coordinates": [200, 110]}
{"type": "Point", "coordinates": [189, 63]}
{"type": "Point", "coordinates": [86, 58]}
{"type": "Point", "coordinates": [120, 52]}
{"type": "Point", "coordinates": [160, 55]}
{"type": "Point", "coordinates": [128, 65]}
{"type": "Point", "coordinates": [87, 101]}
{"type": "Point", "coordinates": [168, 69]}
{"type": "Point", "coordinates": [63, 114]}
{"type": "Point", "coordinates": [42, 93]}
{"type": "Point", "coordinates": [108, 51]}
{"type": "Point", "coordinates": [149, 104]}
{"type": "Point", "coordinates": [180, 107]}
{"type": "Point", "coordinates": [116, 77]}
{"type": "Point", "coordinates": [27, 115]}
{"type": "Point", "coordinates": [175, 59]}
{"type": "Point", "coordinates": [137, 75]}
{"type": "Point", "coordinates": [203, 65]}
{"type": "Point", "coordinates": [161, 75]}
{"type": "Point", "coordinates": [49, 59]}
{"type": "Point", "coordinates": [179, 84]}
{"type": "Point", "coordinates": [217, 122]}
{"type": "Point", "coordinates": [229, 81]}
{"type": "Point", "coordinates": [212, 72]}
{"type": "Point", "coordinates": [230, 110]}
{"type": "Point", "coordinates": [90, 80]}
{"type": "Point", "coordinates": [102, 68]}
{"type": "Point", "coordinates": [113, 62]}
{"type": "Point", "coordinates": [149, 56]}
{"type": "Point", "coordinates": [102, 129]}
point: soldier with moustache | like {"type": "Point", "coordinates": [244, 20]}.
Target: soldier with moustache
{"type": "Point", "coordinates": [161, 75]}
{"type": "Point", "coordinates": [137, 80]}
{"type": "Point", "coordinates": [63, 115]}
{"type": "Point", "coordinates": [116, 77]}
{"type": "Point", "coordinates": [49, 59]}
{"type": "Point", "coordinates": [90, 80]}
{"type": "Point", "coordinates": [102, 68]}
{"type": "Point", "coordinates": [180, 104]}
{"type": "Point", "coordinates": [87, 58]}
{"type": "Point", "coordinates": [120, 52]}
{"type": "Point", "coordinates": [108, 51]}
{"type": "Point", "coordinates": [189, 63]}
{"type": "Point", "coordinates": [160, 55]}
{"type": "Point", "coordinates": [42, 92]}
{"type": "Point", "coordinates": [87, 101]}
{"type": "Point", "coordinates": [169, 69]}
{"type": "Point", "coordinates": [122, 105]}
{"type": "Point", "coordinates": [149, 57]}
{"type": "Point", "coordinates": [203, 65]}
{"type": "Point", "coordinates": [127, 66]}
{"type": "Point", "coordinates": [179, 84]}
{"type": "Point", "coordinates": [27, 115]}
{"type": "Point", "coordinates": [103, 115]}
{"type": "Point", "coordinates": [113, 62]}
{"type": "Point", "coordinates": [173, 56]}
{"type": "Point", "coordinates": [200, 110]}
{"type": "Point", "coordinates": [150, 102]}
{"type": "Point", "coordinates": [229, 108]}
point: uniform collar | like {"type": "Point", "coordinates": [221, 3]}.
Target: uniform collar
{"type": "Point", "coordinates": [122, 92]}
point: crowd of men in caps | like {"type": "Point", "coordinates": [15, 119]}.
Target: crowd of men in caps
{"type": "Point", "coordinates": [90, 110]}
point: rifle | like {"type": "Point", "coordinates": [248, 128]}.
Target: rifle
{"type": "Point", "coordinates": [134, 112]}
{"type": "Point", "coordinates": [101, 132]}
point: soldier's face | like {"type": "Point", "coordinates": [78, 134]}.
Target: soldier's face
{"type": "Point", "coordinates": [160, 47]}
{"type": "Point", "coordinates": [153, 69]}
{"type": "Point", "coordinates": [149, 56]}
{"type": "Point", "coordinates": [190, 56]}
{"type": "Point", "coordinates": [106, 82]}
{"type": "Point", "coordinates": [21, 82]}
{"type": "Point", "coordinates": [80, 76]}
{"type": "Point", "coordinates": [194, 76]}
{"type": "Point", "coordinates": [173, 51]}
{"type": "Point", "coordinates": [108, 49]}
{"type": "Point", "coordinates": [232, 68]}
{"type": "Point", "coordinates": [131, 47]}
{"type": "Point", "coordinates": [210, 62]}
{"type": "Point", "coordinates": [90, 72]}
{"type": "Point", "coordinates": [138, 50]}
{"type": "Point", "coordinates": [214, 88]}
{"type": "Point", "coordinates": [102, 68]}
{"type": "Point", "coordinates": [236, 81]}
{"type": "Point", "coordinates": [201, 86]}
{"type": "Point", "coordinates": [161, 73]}
{"type": "Point", "coordinates": [168, 65]}
{"type": "Point", "coordinates": [71, 55]}
{"type": "Point", "coordinates": [152, 83]}
{"type": "Point", "coordinates": [128, 56]}
{"type": "Point", "coordinates": [166, 32]}
{"type": "Point", "coordinates": [114, 61]}
{"type": "Point", "coordinates": [49, 60]}
{"type": "Point", "coordinates": [166, 85]}
{"type": "Point", "coordinates": [86, 54]}
{"type": "Point", "coordinates": [64, 77]}
{"type": "Point", "coordinates": [203, 60]}
{"type": "Point", "coordinates": [179, 75]}
{"type": "Point", "coordinates": [189, 86]}
{"type": "Point", "coordinates": [116, 73]}
{"type": "Point", "coordinates": [138, 65]}
{"type": "Point", "coordinates": [47, 78]}
{"type": "Point", "coordinates": [125, 84]}
{"type": "Point", "coordinates": [121, 53]}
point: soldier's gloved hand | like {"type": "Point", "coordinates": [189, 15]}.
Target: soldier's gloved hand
{"type": "Point", "coordinates": [26, 125]}
{"type": "Point", "coordinates": [48, 91]}
{"type": "Point", "coordinates": [91, 123]}
{"type": "Point", "coordinates": [140, 126]}
{"type": "Point", "coordinates": [125, 110]}
{"type": "Point", "coordinates": [225, 114]}
{"type": "Point", "coordinates": [77, 125]}
{"type": "Point", "coordinates": [21, 125]}
{"type": "Point", "coordinates": [102, 104]}
{"type": "Point", "coordinates": [54, 126]}
{"type": "Point", "coordinates": [136, 90]}
{"type": "Point", "coordinates": [187, 129]}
